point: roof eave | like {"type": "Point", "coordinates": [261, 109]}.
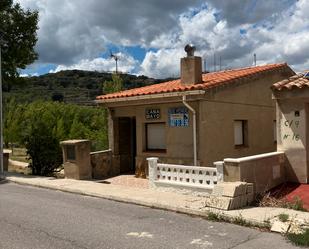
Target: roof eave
{"type": "Point", "coordinates": [150, 96]}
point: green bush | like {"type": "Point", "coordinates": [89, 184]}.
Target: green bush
{"type": "Point", "coordinates": [40, 126]}
{"type": "Point", "coordinates": [43, 149]}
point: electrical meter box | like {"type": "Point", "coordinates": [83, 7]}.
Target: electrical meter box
{"type": "Point", "coordinates": [76, 159]}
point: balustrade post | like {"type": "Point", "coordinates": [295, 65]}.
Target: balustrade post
{"type": "Point", "coordinates": [220, 170]}
{"type": "Point", "coordinates": [152, 167]}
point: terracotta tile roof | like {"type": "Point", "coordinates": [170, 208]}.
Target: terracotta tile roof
{"type": "Point", "coordinates": [296, 81]}
{"type": "Point", "coordinates": [210, 80]}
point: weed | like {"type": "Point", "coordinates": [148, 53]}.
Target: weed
{"type": "Point", "coordinates": [213, 216]}
{"type": "Point", "coordinates": [301, 239]}
{"type": "Point", "coordinates": [283, 217]}
{"type": "Point", "coordinates": [239, 220]}
{"type": "Point", "coordinates": [297, 204]}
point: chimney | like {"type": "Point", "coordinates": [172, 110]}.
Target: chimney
{"type": "Point", "coordinates": [190, 67]}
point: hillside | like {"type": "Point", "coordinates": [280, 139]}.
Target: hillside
{"type": "Point", "coordinates": [71, 86]}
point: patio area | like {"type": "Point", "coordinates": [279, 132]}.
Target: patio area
{"type": "Point", "coordinates": [128, 180]}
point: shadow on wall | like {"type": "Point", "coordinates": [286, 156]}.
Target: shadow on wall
{"type": "Point", "coordinates": [101, 162]}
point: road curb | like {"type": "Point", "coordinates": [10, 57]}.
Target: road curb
{"type": "Point", "coordinates": [183, 210]}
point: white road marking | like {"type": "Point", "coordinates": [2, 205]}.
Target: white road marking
{"type": "Point", "coordinates": [140, 235]}
{"type": "Point", "coordinates": [201, 243]}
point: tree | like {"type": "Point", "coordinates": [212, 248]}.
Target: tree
{"type": "Point", "coordinates": [114, 85]}
{"type": "Point", "coordinates": [13, 117]}
{"type": "Point", "coordinates": [18, 37]}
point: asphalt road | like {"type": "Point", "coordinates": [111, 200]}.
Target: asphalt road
{"type": "Point", "coordinates": [40, 218]}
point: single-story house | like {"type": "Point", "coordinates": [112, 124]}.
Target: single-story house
{"type": "Point", "coordinates": [195, 120]}
{"type": "Point", "coordinates": [292, 99]}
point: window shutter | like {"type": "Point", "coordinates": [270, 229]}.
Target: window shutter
{"type": "Point", "coordinates": [238, 132]}
{"type": "Point", "coordinates": [156, 136]}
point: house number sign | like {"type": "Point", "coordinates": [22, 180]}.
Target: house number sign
{"type": "Point", "coordinates": [152, 114]}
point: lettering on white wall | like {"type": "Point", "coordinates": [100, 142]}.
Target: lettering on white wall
{"type": "Point", "coordinates": [292, 133]}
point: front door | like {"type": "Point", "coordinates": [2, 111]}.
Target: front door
{"type": "Point", "coordinates": [127, 144]}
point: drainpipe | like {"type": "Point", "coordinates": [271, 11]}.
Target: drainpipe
{"type": "Point", "coordinates": [184, 101]}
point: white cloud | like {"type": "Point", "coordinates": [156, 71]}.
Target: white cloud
{"type": "Point", "coordinates": [284, 38]}
{"type": "Point", "coordinates": [73, 34]}
{"type": "Point", "coordinates": [74, 30]}
{"type": "Point", "coordinates": [126, 64]}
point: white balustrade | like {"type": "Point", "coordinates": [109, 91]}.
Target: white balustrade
{"type": "Point", "coordinates": [190, 176]}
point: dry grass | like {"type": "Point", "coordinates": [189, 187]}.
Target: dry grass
{"type": "Point", "coordinates": [269, 200]}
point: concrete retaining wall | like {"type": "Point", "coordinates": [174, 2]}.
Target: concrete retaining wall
{"type": "Point", "coordinates": [265, 171]}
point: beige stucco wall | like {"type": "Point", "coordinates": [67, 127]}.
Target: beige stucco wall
{"type": "Point", "coordinates": [179, 140]}
{"type": "Point", "coordinates": [216, 112]}
{"type": "Point", "coordinates": [292, 133]}
{"type": "Point", "coordinates": [251, 102]}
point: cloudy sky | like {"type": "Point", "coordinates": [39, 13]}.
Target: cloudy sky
{"type": "Point", "coordinates": [149, 35]}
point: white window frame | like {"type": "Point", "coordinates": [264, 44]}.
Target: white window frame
{"type": "Point", "coordinates": [240, 133]}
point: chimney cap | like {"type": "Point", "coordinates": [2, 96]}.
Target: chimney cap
{"type": "Point", "coordinates": [190, 49]}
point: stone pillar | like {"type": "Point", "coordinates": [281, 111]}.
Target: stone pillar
{"type": "Point", "coordinates": [76, 159]}
{"type": "Point", "coordinates": [220, 170]}
{"type": "Point", "coordinates": [152, 166]}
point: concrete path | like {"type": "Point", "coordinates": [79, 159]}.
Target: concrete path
{"type": "Point", "coordinates": [18, 164]}
{"type": "Point", "coordinates": [155, 198]}
{"type": "Point", "coordinates": [33, 218]}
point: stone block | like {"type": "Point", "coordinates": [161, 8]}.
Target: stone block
{"type": "Point", "coordinates": [244, 200]}
{"type": "Point", "coordinates": [250, 198]}
{"type": "Point", "coordinates": [250, 188]}
{"type": "Point", "coordinates": [280, 227]}
{"type": "Point", "coordinates": [219, 202]}
{"type": "Point", "coordinates": [236, 203]}
{"type": "Point", "coordinates": [232, 189]}
{"type": "Point", "coordinates": [217, 190]}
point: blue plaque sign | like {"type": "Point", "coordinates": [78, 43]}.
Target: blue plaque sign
{"type": "Point", "coordinates": [178, 117]}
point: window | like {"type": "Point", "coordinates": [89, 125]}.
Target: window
{"type": "Point", "coordinates": [240, 133]}
{"type": "Point", "coordinates": [155, 136]}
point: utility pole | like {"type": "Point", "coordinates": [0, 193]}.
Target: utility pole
{"type": "Point", "coordinates": [254, 59]}
{"type": "Point", "coordinates": [1, 128]}
{"type": "Point", "coordinates": [215, 66]}
{"type": "Point", "coordinates": [220, 63]}
{"type": "Point", "coordinates": [116, 58]}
